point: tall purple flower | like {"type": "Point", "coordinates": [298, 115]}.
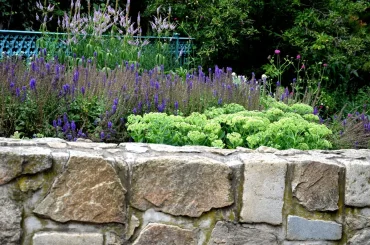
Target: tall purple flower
{"type": "Point", "coordinates": [176, 105]}
{"type": "Point", "coordinates": [315, 111]}
{"type": "Point", "coordinates": [33, 84]}
{"type": "Point", "coordinates": [114, 109]}
{"type": "Point", "coordinates": [110, 124]}
{"type": "Point", "coordinates": [83, 90]}
{"type": "Point", "coordinates": [73, 125]}
{"type": "Point", "coordinates": [76, 75]}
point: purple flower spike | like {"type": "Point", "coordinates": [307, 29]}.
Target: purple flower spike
{"type": "Point", "coordinates": [115, 102]}
{"type": "Point", "coordinates": [17, 92]}
{"type": "Point", "coordinates": [55, 124]}
{"type": "Point", "coordinates": [176, 105]}
{"type": "Point", "coordinates": [110, 125]}
{"type": "Point", "coordinates": [73, 125]}
{"type": "Point", "coordinates": [33, 84]}
{"type": "Point", "coordinates": [278, 84]}
{"type": "Point", "coordinates": [219, 101]}
{"type": "Point", "coordinates": [315, 111]}
{"type": "Point", "coordinates": [83, 90]}
{"type": "Point", "coordinates": [12, 85]}
{"type": "Point", "coordinates": [114, 109]}
{"type": "Point", "coordinates": [102, 135]}
{"type": "Point", "coordinates": [59, 122]}
{"type": "Point", "coordinates": [76, 75]}
{"type": "Point", "coordinates": [65, 118]}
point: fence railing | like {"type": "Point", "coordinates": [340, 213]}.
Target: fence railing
{"type": "Point", "coordinates": [23, 43]}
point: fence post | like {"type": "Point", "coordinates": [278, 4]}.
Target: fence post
{"type": "Point", "coordinates": [177, 51]}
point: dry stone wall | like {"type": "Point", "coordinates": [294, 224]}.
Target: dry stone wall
{"type": "Point", "coordinates": [85, 193]}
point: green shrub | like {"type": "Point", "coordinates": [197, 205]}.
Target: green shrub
{"type": "Point", "coordinates": [274, 128]}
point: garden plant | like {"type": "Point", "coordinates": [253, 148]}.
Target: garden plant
{"type": "Point", "coordinates": [106, 83]}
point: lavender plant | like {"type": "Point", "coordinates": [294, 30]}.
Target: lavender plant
{"type": "Point", "coordinates": [67, 101]}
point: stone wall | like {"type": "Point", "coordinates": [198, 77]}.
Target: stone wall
{"type": "Point", "coordinates": [76, 193]}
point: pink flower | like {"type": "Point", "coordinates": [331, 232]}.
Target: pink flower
{"type": "Point", "coordinates": [303, 66]}
{"type": "Point", "coordinates": [298, 56]}
{"type": "Point", "coordinates": [325, 65]}
{"type": "Point", "coordinates": [277, 51]}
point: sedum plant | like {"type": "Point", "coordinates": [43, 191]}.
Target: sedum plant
{"type": "Point", "coordinates": [274, 128]}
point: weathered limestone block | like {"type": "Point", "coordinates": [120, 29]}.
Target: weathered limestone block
{"type": "Point", "coordinates": [88, 190]}
{"type": "Point", "coordinates": [134, 222]}
{"type": "Point", "coordinates": [64, 238]}
{"type": "Point", "coordinates": [357, 223]}
{"type": "Point", "coordinates": [362, 237]}
{"type": "Point", "coordinates": [160, 234]}
{"type": "Point", "coordinates": [227, 233]}
{"type": "Point", "coordinates": [263, 189]}
{"type": "Point", "coordinates": [316, 185]}
{"type": "Point", "coordinates": [10, 219]}
{"type": "Point", "coordinates": [180, 185]}
{"type": "Point", "coordinates": [17, 161]}
{"type": "Point", "coordinates": [308, 243]}
{"type": "Point", "coordinates": [357, 187]}
{"type": "Point", "coordinates": [134, 147]}
{"type": "Point", "coordinates": [88, 145]}
{"type": "Point", "coordinates": [303, 229]}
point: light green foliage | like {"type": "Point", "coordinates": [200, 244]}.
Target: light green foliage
{"type": "Point", "coordinates": [291, 132]}
{"type": "Point", "coordinates": [274, 127]}
{"type": "Point", "coordinates": [311, 118]}
{"type": "Point", "coordinates": [302, 109]}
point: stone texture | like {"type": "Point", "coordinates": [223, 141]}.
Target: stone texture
{"type": "Point", "coordinates": [357, 219]}
{"type": "Point", "coordinates": [63, 238]}
{"type": "Point", "coordinates": [10, 219]}
{"type": "Point", "coordinates": [180, 185]}
{"type": "Point", "coordinates": [303, 229]}
{"type": "Point", "coordinates": [16, 161]}
{"type": "Point", "coordinates": [263, 189]}
{"type": "Point", "coordinates": [308, 243]}
{"type": "Point", "coordinates": [316, 185]}
{"type": "Point", "coordinates": [160, 234]}
{"type": "Point", "coordinates": [89, 145]}
{"type": "Point", "coordinates": [361, 237]}
{"type": "Point", "coordinates": [226, 233]}
{"type": "Point", "coordinates": [133, 224]}
{"type": "Point", "coordinates": [88, 190]}
{"type": "Point", "coordinates": [133, 147]}
{"type": "Point", "coordinates": [27, 183]}
{"type": "Point", "coordinates": [357, 187]}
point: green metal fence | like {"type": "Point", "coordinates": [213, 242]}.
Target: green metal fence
{"type": "Point", "coordinates": [24, 43]}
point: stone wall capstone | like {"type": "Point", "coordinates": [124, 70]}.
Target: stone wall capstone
{"type": "Point", "coordinates": [64, 193]}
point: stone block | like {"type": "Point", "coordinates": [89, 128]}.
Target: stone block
{"type": "Point", "coordinates": [316, 185]}
{"type": "Point", "coordinates": [175, 185]}
{"type": "Point", "coordinates": [160, 234]}
{"type": "Point", "coordinates": [17, 161]}
{"type": "Point", "coordinates": [357, 186]}
{"type": "Point", "coordinates": [64, 238]}
{"type": "Point", "coordinates": [227, 233]}
{"type": "Point", "coordinates": [10, 219]}
{"type": "Point", "coordinates": [263, 189]}
{"type": "Point", "coordinates": [88, 190]}
{"type": "Point", "coordinates": [302, 229]}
